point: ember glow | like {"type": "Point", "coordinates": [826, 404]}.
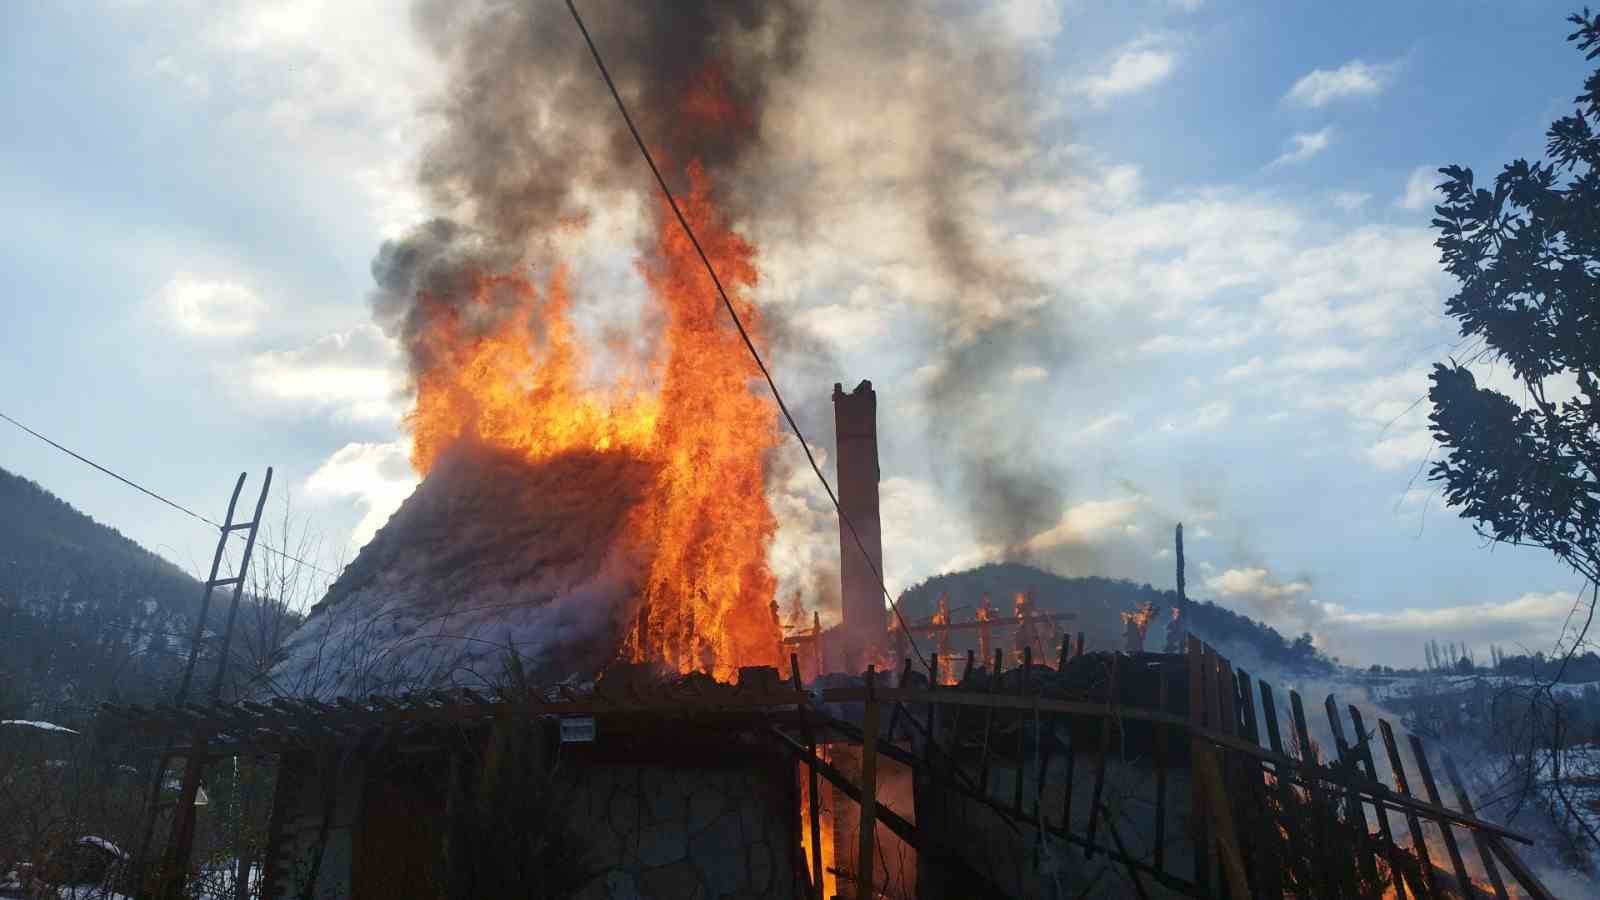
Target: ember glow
{"type": "Point", "coordinates": [706, 525]}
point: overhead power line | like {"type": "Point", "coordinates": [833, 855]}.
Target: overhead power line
{"type": "Point", "coordinates": [146, 491]}
{"type": "Point", "coordinates": [743, 334]}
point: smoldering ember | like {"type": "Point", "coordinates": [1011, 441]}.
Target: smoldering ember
{"type": "Point", "coordinates": [725, 418]}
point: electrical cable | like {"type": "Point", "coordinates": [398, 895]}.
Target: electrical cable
{"type": "Point", "coordinates": [144, 490]}
{"type": "Point", "coordinates": [743, 334]}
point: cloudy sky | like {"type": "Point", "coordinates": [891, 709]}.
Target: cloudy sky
{"type": "Point", "coordinates": [1221, 209]}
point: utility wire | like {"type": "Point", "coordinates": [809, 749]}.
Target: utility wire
{"type": "Point", "coordinates": [144, 490]}
{"type": "Point", "coordinates": [743, 334]}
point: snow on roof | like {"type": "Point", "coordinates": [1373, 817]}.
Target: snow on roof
{"type": "Point", "coordinates": [90, 840]}
{"type": "Point", "coordinates": [42, 726]}
{"type": "Point", "coordinates": [489, 553]}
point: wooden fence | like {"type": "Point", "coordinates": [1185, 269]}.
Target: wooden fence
{"type": "Point", "coordinates": [1271, 811]}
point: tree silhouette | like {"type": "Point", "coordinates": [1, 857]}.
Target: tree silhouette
{"type": "Point", "coordinates": [1527, 256]}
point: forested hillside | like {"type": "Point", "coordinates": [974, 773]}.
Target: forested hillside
{"type": "Point", "coordinates": [85, 613]}
{"type": "Point", "coordinates": [1098, 604]}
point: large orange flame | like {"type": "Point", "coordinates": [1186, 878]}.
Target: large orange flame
{"type": "Point", "coordinates": [515, 381]}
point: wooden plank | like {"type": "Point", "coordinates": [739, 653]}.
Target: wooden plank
{"type": "Point", "coordinates": [868, 826]}
{"type": "Point", "coordinates": [1294, 840]}
{"type": "Point", "coordinates": [1106, 724]}
{"type": "Point", "coordinates": [1457, 864]}
{"type": "Point", "coordinates": [1209, 773]}
{"type": "Point", "coordinates": [1419, 844]}
{"type": "Point", "coordinates": [1160, 733]}
{"type": "Point", "coordinates": [1195, 657]}
{"type": "Point", "coordinates": [1268, 855]}
{"type": "Point", "coordinates": [814, 801]}
{"type": "Point", "coordinates": [1519, 870]}
{"type": "Point", "coordinates": [1485, 854]}
{"type": "Point", "coordinates": [988, 727]}
{"type": "Point", "coordinates": [1354, 809]}
{"type": "Point", "coordinates": [1247, 707]}
{"type": "Point", "coordinates": [1363, 751]}
{"type": "Point", "coordinates": [1022, 730]}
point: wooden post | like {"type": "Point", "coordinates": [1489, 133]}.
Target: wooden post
{"type": "Point", "coordinates": [1106, 725]}
{"type": "Point", "coordinates": [813, 800]}
{"type": "Point", "coordinates": [180, 846]}
{"type": "Point", "coordinates": [1484, 853]}
{"type": "Point", "coordinates": [1079, 651]}
{"type": "Point", "coordinates": [816, 641]}
{"type": "Point", "coordinates": [1209, 773]}
{"type": "Point", "coordinates": [1419, 844]}
{"type": "Point", "coordinates": [988, 727]}
{"type": "Point", "coordinates": [1160, 734]}
{"type": "Point", "coordinates": [1426, 771]}
{"type": "Point", "coordinates": [1022, 730]}
{"type": "Point", "coordinates": [1296, 844]}
{"type": "Point", "coordinates": [1195, 657]}
{"type": "Point", "coordinates": [869, 792]}
{"type": "Point", "coordinates": [1363, 749]}
{"type": "Point", "coordinates": [1353, 807]}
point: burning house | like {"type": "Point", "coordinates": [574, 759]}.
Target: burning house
{"type": "Point", "coordinates": [558, 669]}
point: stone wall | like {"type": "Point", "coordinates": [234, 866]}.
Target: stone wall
{"type": "Point", "coordinates": [675, 831]}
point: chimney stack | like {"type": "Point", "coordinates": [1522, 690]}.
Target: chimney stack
{"type": "Point", "coordinates": [855, 424]}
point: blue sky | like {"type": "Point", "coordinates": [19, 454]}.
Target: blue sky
{"type": "Point", "coordinates": [1223, 199]}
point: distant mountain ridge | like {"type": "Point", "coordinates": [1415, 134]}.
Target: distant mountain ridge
{"type": "Point", "coordinates": [85, 613]}
{"type": "Point", "coordinates": [1098, 603]}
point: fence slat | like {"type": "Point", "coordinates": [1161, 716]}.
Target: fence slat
{"type": "Point", "coordinates": [1269, 843]}
{"type": "Point", "coordinates": [1363, 749]}
{"type": "Point", "coordinates": [1160, 734]}
{"type": "Point", "coordinates": [1463, 801]}
{"type": "Point", "coordinates": [1106, 724]}
{"type": "Point", "coordinates": [1419, 844]}
{"type": "Point", "coordinates": [1195, 657]}
{"type": "Point", "coordinates": [1353, 806]}
{"type": "Point", "coordinates": [1426, 771]}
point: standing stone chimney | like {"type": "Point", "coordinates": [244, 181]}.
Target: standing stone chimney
{"type": "Point", "coordinates": [855, 424]}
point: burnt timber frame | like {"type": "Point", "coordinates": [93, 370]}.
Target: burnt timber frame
{"type": "Point", "coordinates": [1219, 735]}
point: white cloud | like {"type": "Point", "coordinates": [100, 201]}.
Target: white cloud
{"type": "Point", "coordinates": [1028, 374]}
{"type": "Point", "coordinates": [1531, 621]}
{"type": "Point", "coordinates": [211, 307]}
{"type": "Point", "coordinates": [1247, 369]}
{"type": "Point", "coordinates": [1350, 201]}
{"type": "Point", "coordinates": [1139, 64]}
{"type": "Point", "coordinates": [1187, 6]}
{"type": "Point", "coordinates": [1353, 79]}
{"type": "Point", "coordinates": [1304, 145]}
{"type": "Point", "coordinates": [1421, 190]}
{"type": "Point", "coordinates": [354, 374]}
{"type": "Point", "coordinates": [1253, 581]}
{"type": "Point", "coordinates": [1212, 415]}
{"type": "Point", "coordinates": [377, 477]}
{"type": "Point", "coordinates": [1029, 21]}
{"type": "Point", "coordinates": [1402, 451]}
{"type": "Point", "coordinates": [1090, 522]}
{"type": "Point", "coordinates": [1103, 425]}
{"type": "Point", "coordinates": [1323, 359]}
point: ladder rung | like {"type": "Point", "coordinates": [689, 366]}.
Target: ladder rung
{"type": "Point", "coordinates": [240, 526]}
{"type": "Point", "coordinates": [220, 582]}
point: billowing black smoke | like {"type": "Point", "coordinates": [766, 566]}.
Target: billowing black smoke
{"type": "Point", "coordinates": [530, 143]}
